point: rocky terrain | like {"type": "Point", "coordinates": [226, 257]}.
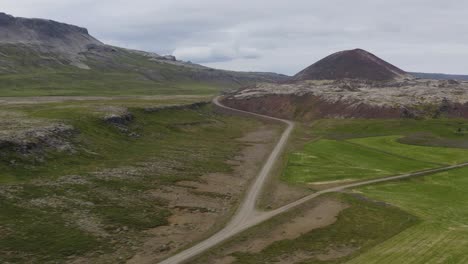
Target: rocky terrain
{"type": "Point", "coordinates": [354, 98]}
{"type": "Point", "coordinates": [47, 37]}
{"type": "Point", "coordinates": [28, 138]}
{"type": "Point", "coordinates": [366, 95]}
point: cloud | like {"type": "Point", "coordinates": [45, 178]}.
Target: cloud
{"type": "Point", "coordinates": [215, 53]}
{"type": "Point", "coordinates": [266, 35]}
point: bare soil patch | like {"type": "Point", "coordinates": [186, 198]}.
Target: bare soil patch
{"type": "Point", "coordinates": [280, 193]}
{"type": "Point", "coordinates": [335, 253]}
{"type": "Point", "coordinates": [201, 207]}
{"type": "Point", "coordinates": [321, 215]}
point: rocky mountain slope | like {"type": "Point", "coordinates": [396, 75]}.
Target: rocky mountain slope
{"type": "Point", "coordinates": [351, 64]}
{"type": "Point", "coordinates": [49, 50]}
{"type": "Point", "coordinates": [367, 95]}
{"type": "Point", "coordinates": [47, 37]}
{"type": "Point", "coordinates": [47, 34]}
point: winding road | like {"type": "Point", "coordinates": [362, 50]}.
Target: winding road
{"type": "Point", "coordinates": [247, 216]}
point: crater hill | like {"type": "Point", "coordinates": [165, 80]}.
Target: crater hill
{"type": "Point", "coordinates": [354, 84]}
{"type": "Point", "coordinates": [351, 64]}
{"type": "Point", "coordinates": [45, 57]}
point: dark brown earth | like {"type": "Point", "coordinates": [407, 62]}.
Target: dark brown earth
{"type": "Point", "coordinates": [310, 107]}
{"type": "Point", "coordinates": [350, 64]}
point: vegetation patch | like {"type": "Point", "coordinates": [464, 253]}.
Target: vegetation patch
{"type": "Point", "coordinates": [356, 128]}
{"type": "Point", "coordinates": [362, 149]}
{"type": "Point", "coordinates": [331, 160]}
{"type": "Point", "coordinates": [97, 198]}
{"type": "Point", "coordinates": [359, 149]}
{"type": "Point", "coordinates": [361, 226]}
{"type": "Point", "coordinates": [440, 202]}
{"type": "Point", "coordinates": [390, 144]}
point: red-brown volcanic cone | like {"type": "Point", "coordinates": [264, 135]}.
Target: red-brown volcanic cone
{"type": "Point", "coordinates": [350, 64]}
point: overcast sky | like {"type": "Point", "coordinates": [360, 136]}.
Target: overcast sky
{"type": "Point", "coordinates": [271, 35]}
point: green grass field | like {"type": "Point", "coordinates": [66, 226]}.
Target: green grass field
{"type": "Point", "coordinates": [357, 128]}
{"type": "Point", "coordinates": [362, 149]}
{"type": "Point", "coordinates": [440, 202]}
{"type": "Point", "coordinates": [331, 160]}
{"type": "Point", "coordinates": [390, 144]}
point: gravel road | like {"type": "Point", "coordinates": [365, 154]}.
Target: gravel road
{"type": "Point", "coordinates": [247, 216]}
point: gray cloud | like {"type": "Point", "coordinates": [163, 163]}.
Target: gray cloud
{"type": "Point", "coordinates": [216, 53]}
{"type": "Point", "coordinates": [270, 35]}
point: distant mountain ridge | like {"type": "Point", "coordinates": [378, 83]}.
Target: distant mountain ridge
{"type": "Point", "coordinates": [351, 64]}
{"type": "Point", "coordinates": [52, 55]}
{"type": "Point", "coordinates": [440, 76]}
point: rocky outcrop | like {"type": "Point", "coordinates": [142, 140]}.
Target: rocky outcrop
{"type": "Point", "coordinates": [169, 58]}
{"type": "Point", "coordinates": [48, 40]}
{"type": "Point", "coordinates": [33, 144]}
{"type": "Point", "coordinates": [46, 35]}
{"type": "Point", "coordinates": [309, 107]}
{"type": "Point", "coordinates": [412, 98]}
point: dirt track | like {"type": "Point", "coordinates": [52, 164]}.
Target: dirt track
{"type": "Point", "coordinates": [246, 212]}
{"type": "Point", "coordinates": [247, 216]}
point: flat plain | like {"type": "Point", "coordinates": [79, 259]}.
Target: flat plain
{"type": "Point", "coordinates": [362, 154]}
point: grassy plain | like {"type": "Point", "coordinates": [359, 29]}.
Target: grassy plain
{"type": "Point", "coordinates": [390, 144]}
{"type": "Point", "coordinates": [67, 204]}
{"type": "Point", "coordinates": [330, 160]}
{"type": "Point", "coordinates": [357, 128]}
{"type": "Point", "coordinates": [76, 82]}
{"type": "Point", "coordinates": [362, 149]}
{"type": "Point", "coordinates": [440, 202]}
